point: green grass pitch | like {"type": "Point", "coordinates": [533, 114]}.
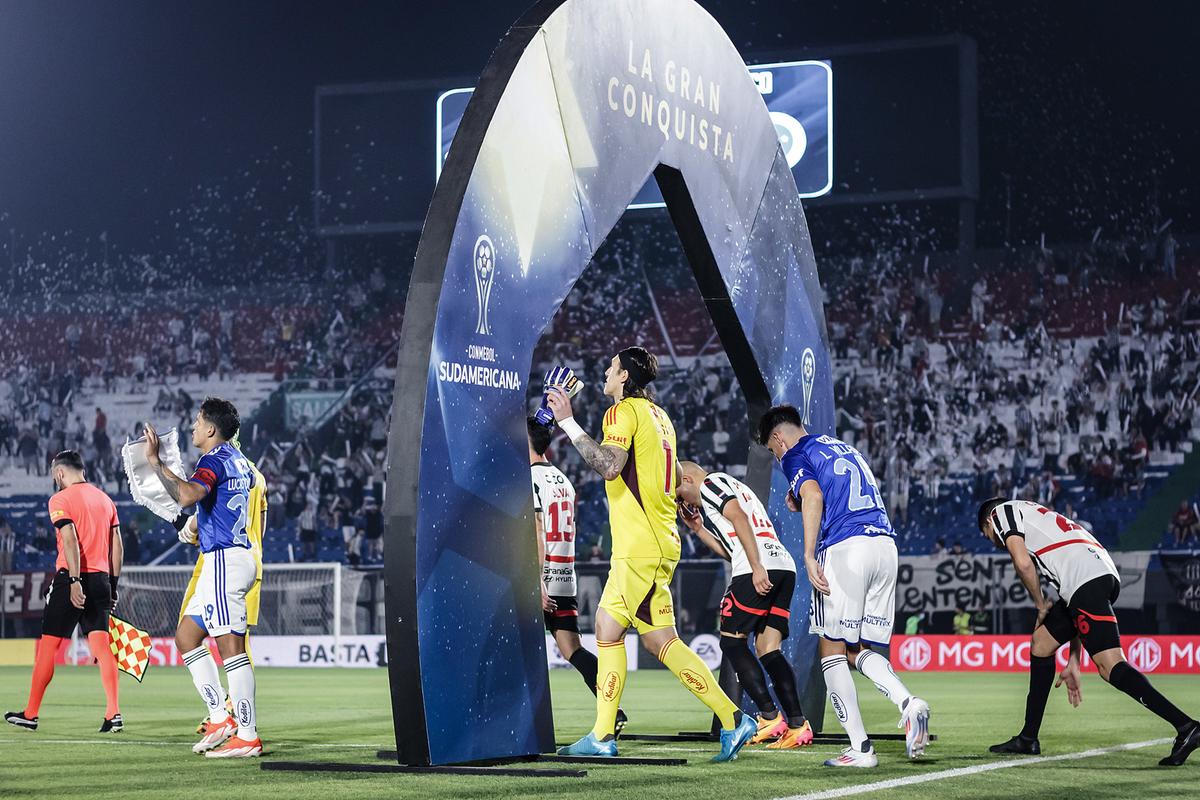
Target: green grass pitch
{"type": "Point", "coordinates": [343, 715]}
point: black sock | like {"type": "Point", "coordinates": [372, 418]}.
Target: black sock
{"type": "Point", "coordinates": [1041, 678]}
{"type": "Point", "coordinates": [784, 681]}
{"type": "Point", "coordinates": [585, 662]}
{"type": "Point", "coordinates": [749, 672]}
{"type": "Point", "coordinates": [1134, 684]}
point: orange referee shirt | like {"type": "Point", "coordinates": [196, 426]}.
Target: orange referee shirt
{"type": "Point", "coordinates": [94, 515]}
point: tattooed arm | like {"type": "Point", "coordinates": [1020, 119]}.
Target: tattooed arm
{"type": "Point", "coordinates": [607, 460]}
{"type": "Point", "coordinates": [185, 493]}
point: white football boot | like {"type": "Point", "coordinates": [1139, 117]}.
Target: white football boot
{"type": "Point", "coordinates": [852, 757]}
{"type": "Point", "coordinates": [915, 722]}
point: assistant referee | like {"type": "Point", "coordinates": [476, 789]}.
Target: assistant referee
{"type": "Point", "coordinates": [84, 589]}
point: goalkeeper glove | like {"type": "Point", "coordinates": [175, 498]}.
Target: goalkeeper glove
{"type": "Point", "coordinates": [559, 378]}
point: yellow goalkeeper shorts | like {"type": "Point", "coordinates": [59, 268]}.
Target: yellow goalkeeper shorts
{"type": "Point", "coordinates": [638, 593]}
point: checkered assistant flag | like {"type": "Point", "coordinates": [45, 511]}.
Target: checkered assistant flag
{"type": "Point", "coordinates": [131, 646]}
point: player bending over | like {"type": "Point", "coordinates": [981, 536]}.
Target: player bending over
{"type": "Point", "coordinates": [850, 555]}
{"type": "Point", "coordinates": [84, 589]}
{"type": "Point", "coordinates": [554, 521]}
{"type": "Point", "coordinates": [220, 490]}
{"type": "Point", "coordinates": [1088, 584]}
{"type": "Point", "coordinates": [729, 518]}
{"type": "Point", "coordinates": [637, 460]}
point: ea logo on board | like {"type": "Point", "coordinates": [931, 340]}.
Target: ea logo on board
{"type": "Point", "coordinates": [484, 261]}
{"type": "Point", "coordinates": [915, 655]}
{"type": "Point", "coordinates": [792, 137]}
{"type": "Point", "coordinates": [1145, 655]}
{"type": "Point", "coordinates": [708, 647]}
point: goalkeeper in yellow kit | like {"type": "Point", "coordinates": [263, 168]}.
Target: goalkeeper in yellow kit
{"type": "Point", "coordinates": [256, 523]}
{"type": "Point", "coordinates": [637, 460]}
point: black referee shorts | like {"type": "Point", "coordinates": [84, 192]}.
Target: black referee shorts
{"type": "Point", "coordinates": [59, 618]}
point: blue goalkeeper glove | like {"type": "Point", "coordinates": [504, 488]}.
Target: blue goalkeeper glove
{"type": "Point", "coordinates": [559, 378]}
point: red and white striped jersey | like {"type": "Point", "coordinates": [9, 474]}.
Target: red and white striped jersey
{"type": "Point", "coordinates": [719, 489]}
{"type": "Point", "coordinates": [554, 500]}
{"type": "Point", "coordinates": [1065, 552]}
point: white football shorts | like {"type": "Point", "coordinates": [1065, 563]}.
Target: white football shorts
{"type": "Point", "coordinates": [220, 597]}
{"type": "Point", "coordinates": [861, 604]}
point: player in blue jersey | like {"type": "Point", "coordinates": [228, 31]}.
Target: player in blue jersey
{"type": "Point", "coordinates": [220, 490]}
{"type": "Point", "coordinates": [850, 554]}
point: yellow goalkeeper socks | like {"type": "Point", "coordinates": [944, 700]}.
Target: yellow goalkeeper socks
{"type": "Point", "coordinates": [610, 682]}
{"type": "Point", "coordinates": [698, 678]}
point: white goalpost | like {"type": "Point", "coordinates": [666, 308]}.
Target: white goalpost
{"type": "Point", "coordinates": [297, 599]}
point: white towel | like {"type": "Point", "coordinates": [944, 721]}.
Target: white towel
{"type": "Point", "coordinates": [144, 485]}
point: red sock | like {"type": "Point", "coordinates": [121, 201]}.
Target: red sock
{"type": "Point", "coordinates": [99, 644]}
{"type": "Point", "coordinates": [43, 671]}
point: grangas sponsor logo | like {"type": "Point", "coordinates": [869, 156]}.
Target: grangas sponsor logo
{"type": "Point", "coordinates": [1150, 654]}
{"type": "Point", "coordinates": [694, 681]}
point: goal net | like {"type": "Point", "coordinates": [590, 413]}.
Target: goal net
{"type": "Point", "coordinates": [297, 599]}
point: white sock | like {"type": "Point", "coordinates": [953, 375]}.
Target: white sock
{"type": "Point", "coordinates": [208, 683]}
{"type": "Point", "coordinates": [240, 675]}
{"type": "Point", "coordinates": [844, 699]}
{"type": "Point", "coordinates": [880, 671]}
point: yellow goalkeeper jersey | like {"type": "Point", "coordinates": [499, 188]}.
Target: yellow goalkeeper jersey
{"type": "Point", "coordinates": [641, 500]}
{"type": "Point", "coordinates": [256, 523]}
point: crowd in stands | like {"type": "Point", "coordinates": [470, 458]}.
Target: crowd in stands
{"type": "Point", "coordinates": [1057, 376]}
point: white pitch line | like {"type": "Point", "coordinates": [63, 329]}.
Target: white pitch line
{"type": "Point", "coordinates": [34, 739]}
{"type": "Point", "coordinates": [912, 780]}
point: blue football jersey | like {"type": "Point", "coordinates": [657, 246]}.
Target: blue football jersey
{"type": "Point", "coordinates": [853, 503]}
{"type": "Point", "coordinates": [221, 516]}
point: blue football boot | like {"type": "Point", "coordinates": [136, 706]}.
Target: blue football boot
{"type": "Point", "coordinates": [733, 740]}
{"type": "Point", "coordinates": [590, 746]}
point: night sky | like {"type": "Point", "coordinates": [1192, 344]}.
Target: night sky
{"type": "Point", "coordinates": [114, 112]}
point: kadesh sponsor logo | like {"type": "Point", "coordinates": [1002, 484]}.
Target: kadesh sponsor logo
{"type": "Point", "coordinates": [915, 654]}
{"type": "Point", "coordinates": [484, 262]}
{"type": "Point", "coordinates": [808, 375]}
{"type": "Point", "coordinates": [243, 710]}
{"type": "Point", "coordinates": [839, 707]}
{"type": "Point", "coordinates": [693, 681]}
{"type": "Point", "coordinates": [1145, 655]}
{"type": "Point", "coordinates": [609, 686]}
{"type": "Point", "coordinates": [210, 696]}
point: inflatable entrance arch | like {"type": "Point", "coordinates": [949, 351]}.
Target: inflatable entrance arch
{"type": "Point", "coordinates": [580, 103]}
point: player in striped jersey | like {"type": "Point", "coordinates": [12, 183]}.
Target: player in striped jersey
{"type": "Point", "coordinates": [729, 518]}
{"type": "Point", "coordinates": [554, 522]}
{"type": "Point", "coordinates": [1037, 538]}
